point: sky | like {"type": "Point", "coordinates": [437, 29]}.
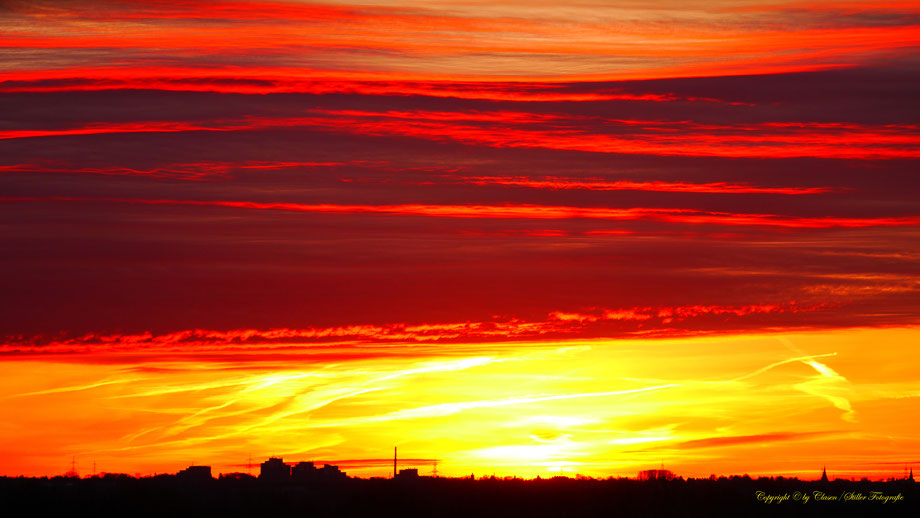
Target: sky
{"type": "Point", "coordinates": [508, 237]}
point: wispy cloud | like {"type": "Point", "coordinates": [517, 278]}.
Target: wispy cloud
{"type": "Point", "coordinates": [721, 442]}
{"type": "Point", "coordinates": [670, 215]}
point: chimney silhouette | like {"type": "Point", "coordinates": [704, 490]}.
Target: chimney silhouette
{"type": "Point", "coordinates": [394, 462]}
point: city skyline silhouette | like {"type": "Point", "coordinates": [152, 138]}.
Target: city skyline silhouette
{"type": "Point", "coordinates": [302, 486]}
{"type": "Point", "coordinates": [585, 249]}
{"type": "Point", "coordinates": [275, 469]}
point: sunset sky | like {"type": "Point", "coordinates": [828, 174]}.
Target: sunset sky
{"type": "Point", "coordinates": [512, 237]}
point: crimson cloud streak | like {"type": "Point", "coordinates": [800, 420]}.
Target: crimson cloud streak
{"type": "Point", "coordinates": [457, 209]}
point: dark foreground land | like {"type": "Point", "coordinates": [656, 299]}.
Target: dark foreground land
{"type": "Point", "coordinates": [120, 495]}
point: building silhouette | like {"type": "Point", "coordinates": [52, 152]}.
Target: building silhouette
{"type": "Point", "coordinates": [237, 476]}
{"type": "Point", "coordinates": [407, 474]}
{"type": "Point", "coordinates": [331, 472]}
{"type": "Point", "coordinates": [824, 475]}
{"type": "Point", "coordinates": [275, 470]}
{"type": "Point", "coordinates": [195, 474]}
{"type": "Point", "coordinates": [303, 472]}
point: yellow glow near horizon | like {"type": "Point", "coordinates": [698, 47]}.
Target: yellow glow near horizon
{"type": "Point", "coordinates": [764, 404]}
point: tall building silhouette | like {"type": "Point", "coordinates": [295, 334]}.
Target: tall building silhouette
{"type": "Point", "coordinates": [275, 470]}
{"type": "Point", "coordinates": [303, 471]}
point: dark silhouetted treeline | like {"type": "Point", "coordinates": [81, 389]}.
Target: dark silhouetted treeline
{"type": "Point", "coordinates": [241, 495]}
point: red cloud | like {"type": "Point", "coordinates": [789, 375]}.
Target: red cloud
{"type": "Point", "coordinates": [526, 130]}
{"type": "Point", "coordinates": [542, 212]}
{"type": "Point", "coordinates": [596, 322]}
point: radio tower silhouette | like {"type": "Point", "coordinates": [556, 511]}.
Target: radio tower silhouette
{"type": "Point", "coordinates": [434, 471]}
{"type": "Point", "coordinates": [73, 468]}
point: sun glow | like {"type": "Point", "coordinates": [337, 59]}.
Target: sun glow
{"type": "Point", "coordinates": [594, 407]}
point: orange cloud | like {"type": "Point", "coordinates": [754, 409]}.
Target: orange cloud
{"type": "Point", "coordinates": [721, 442]}
{"type": "Point", "coordinates": [458, 40]}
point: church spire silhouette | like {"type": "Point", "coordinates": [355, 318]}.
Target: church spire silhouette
{"type": "Point", "coordinates": [824, 475]}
